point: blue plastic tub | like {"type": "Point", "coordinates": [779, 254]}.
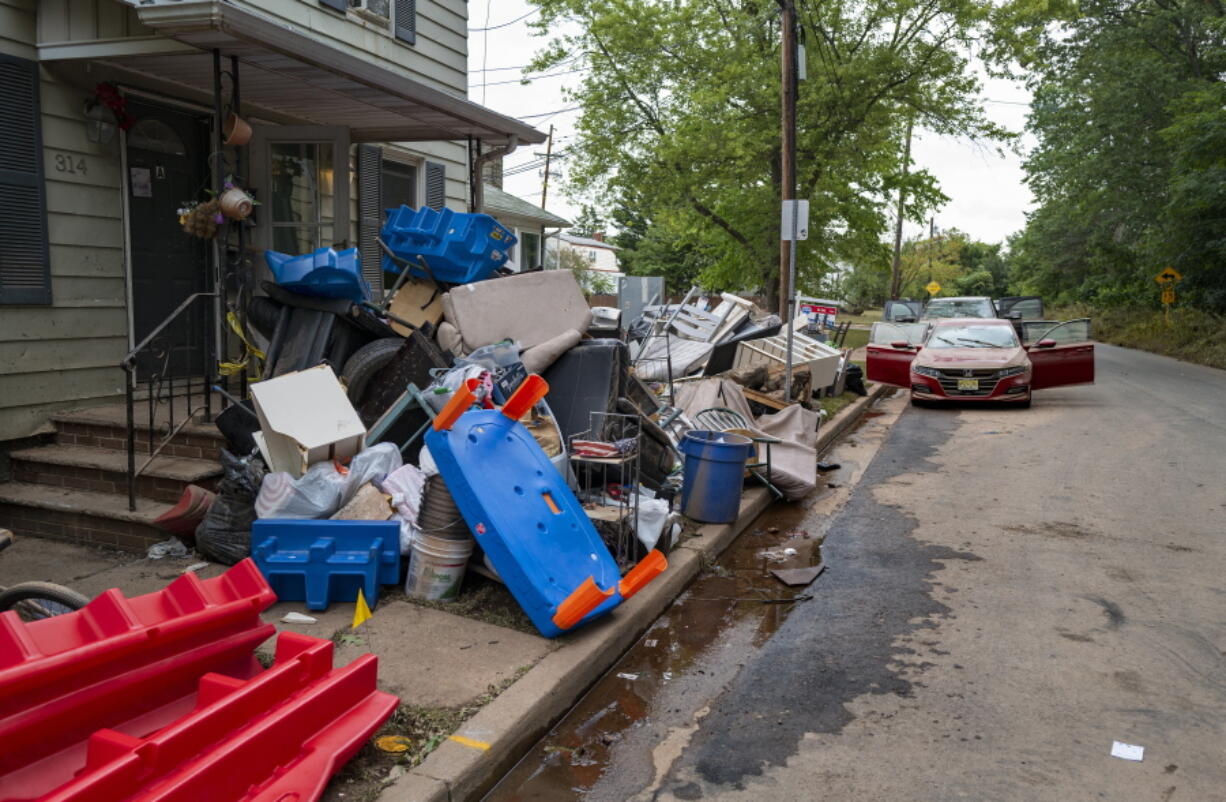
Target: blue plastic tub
{"type": "Point", "coordinates": [322, 561]}
{"type": "Point", "coordinates": [713, 474]}
{"type": "Point", "coordinates": [459, 247]}
{"type": "Point", "coordinates": [323, 274]}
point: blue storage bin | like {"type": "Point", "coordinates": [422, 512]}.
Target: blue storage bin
{"type": "Point", "coordinates": [322, 561]}
{"type": "Point", "coordinates": [323, 274]}
{"type": "Point", "coordinates": [459, 247]}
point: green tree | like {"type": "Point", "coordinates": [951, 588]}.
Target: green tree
{"type": "Point", "coordinates": [589, 223]}
{"type": "Point", "coordinates": [680, 108]}
{"type": "Point", "coordinates": [1128, 172]}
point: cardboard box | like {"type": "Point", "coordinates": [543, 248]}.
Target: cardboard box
{"type": "Point", "coordinates": [305, 417]}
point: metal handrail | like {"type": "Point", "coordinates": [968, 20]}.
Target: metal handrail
{"type": "Point", "coordinates": [156, 381]}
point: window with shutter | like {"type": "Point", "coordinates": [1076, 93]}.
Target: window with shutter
{"type": "Point", "coordinates": [25, 269]}
{"type": "Point", "coordinates": [370, 214]}
{"type": "Point", "coordinates": [406, 21]}
{"type": "Point", "coordinates": [436, 185]}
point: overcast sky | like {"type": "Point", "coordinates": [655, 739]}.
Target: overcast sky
{"type": "Point", "coordinates": [987, 197]}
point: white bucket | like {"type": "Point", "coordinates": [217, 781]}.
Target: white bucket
{"type": "Point", "coordinates": [436, 567]}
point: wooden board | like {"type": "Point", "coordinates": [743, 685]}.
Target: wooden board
{"type": "Point", "coordinates": [409, 302]}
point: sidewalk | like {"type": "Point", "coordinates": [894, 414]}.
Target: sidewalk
{"type": "Point", "coordinates": [434, 660]}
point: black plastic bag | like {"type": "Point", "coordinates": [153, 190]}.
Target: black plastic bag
{"type": "Point", "coordinates": [855, 380]}
{"type": "Point", "coordinates": [225, 533]}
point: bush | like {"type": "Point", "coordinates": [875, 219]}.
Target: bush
{"type": "Point", "coordinates": [1193, 335]}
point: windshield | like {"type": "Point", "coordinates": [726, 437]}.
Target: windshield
{"type": "Point", "coordinates": [954, 307]}
{"type": "Point", "coordinates": [973, 337]}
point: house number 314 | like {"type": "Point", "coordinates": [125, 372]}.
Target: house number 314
{"type": "Point", "coordinates": [65, 163]}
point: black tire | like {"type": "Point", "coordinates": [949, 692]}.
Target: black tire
{"type": "Point", "coordinates": [1024, 404]}
{"type": "Point", "coordinates": [33, 601]}
{"type": "Point", "coordinates": [365, 362]}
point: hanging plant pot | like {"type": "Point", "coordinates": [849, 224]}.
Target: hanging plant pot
{"type": "Point", "coordinates": [236, 204]}
{"type": "Point", "coordinates": [236, 130]}
{"type": "Point", "coordinates": [202, 220]}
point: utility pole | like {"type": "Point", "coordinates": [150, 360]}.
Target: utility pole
{"type": "Point", "coordinates": [896, 276]}
{"type": "Point", "coordinates": [548, 153]}
{"type": "Point", "coordinates": [787, 249]}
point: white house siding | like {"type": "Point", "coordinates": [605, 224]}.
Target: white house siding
{"type": "Point", "coordinates": [56, 356]}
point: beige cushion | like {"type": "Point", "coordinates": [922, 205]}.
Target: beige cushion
{"type": "Point", "coordinates": [529, 308]}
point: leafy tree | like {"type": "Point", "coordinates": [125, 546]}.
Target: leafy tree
{"type": "Point", "coordinates": [1128, 173]}
{"type": "Point", "coordinates": [589, 223]}
{"type": "Point", "coordinates": [591, 281]}
{"type": "Point", "coordinates": [681, 112]}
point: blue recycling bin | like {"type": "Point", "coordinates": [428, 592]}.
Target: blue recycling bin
{"type": "Point", "coordinates": [713, 474]}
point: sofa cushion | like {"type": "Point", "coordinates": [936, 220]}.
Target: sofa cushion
{"type": "Point", "coordinates": [529, 308]}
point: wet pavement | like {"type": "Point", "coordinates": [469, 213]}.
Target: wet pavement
{"type": "Point", "coordinates": [1007, 593]}
{"type": "Point", "coordinates": [652, 693]}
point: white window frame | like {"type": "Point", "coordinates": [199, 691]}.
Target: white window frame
{"type": "Point", "coordinates": [261, 164]}
{"type": "Point", "coordinates": [391, 154]}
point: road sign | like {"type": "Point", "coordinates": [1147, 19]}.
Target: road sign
{"type": "Point", "coordinates": [933, 288]}
{"type": "Point", "coordinates": [1167, 276]}
{"type": "Point", "coordinates": [798, 209]}
{"type": "Point", "coordinates": [1168, 295]}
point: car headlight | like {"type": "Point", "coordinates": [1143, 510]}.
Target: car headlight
{"type": "Point", "coordinates": [1016, 370]}
{"type": "Point", "coordinates": [926, 371]}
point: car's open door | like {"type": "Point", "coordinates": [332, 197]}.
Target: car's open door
{"type": "Point", "coordinates": [891, 347]}
{"type": "Point", "coordinates": [1062, 355]}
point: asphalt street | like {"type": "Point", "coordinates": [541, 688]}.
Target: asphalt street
{"type": "Point", "coordinates": [1007, 593]}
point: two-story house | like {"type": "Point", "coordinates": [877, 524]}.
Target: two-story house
{"type": "Point", "coordinates": [114, 114]}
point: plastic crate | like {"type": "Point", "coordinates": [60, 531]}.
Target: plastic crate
{"type": "Point", "coordinates": [459, 247]}
{"type": "Point", "coordinates": [160, 697]}
{"type": "Point", "coordinates": [325, 273]}
{"type": "Point", "coordinates": [322, 561]}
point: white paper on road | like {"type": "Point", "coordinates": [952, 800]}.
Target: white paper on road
{"type": "Point", "coordinates": [1127, 751]}
{"type": "Point", "coordinates": [625, 675]}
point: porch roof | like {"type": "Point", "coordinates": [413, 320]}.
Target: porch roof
{"type": "Point", "coordinates": [286, 72]}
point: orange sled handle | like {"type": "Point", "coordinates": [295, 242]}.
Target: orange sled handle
{"type": "Point", "coordinates": [648, 569]}
{"type": "Point", "coordinates": [580, 602]}
{"type": "Point", "coordinates": [530, 390]}
{"type": "Point", "coordinates": [461, 400]}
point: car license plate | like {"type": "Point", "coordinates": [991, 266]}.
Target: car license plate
{"type": "Point", "coordinates": [968, 385]}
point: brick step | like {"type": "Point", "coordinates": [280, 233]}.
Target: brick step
{"type": "Point", "coordinates": [80, 516]}
{"type": "Point", "coordinates": [107, 427]}
{"type": "Point", "coordinates": [102, 470]}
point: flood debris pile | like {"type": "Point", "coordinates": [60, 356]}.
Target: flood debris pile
{"type": "Point", "coordinates": [478, 425]}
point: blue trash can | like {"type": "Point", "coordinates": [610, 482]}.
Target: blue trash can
{"type": "Point", "coordinates": [713, 474]}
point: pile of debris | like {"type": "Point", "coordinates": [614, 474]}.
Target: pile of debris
{"type": "Point", "coordinates": [477, 421]}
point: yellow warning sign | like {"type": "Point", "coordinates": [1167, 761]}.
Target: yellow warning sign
{"type": "Point", "coordinates": [933, 288]}
{"type": "Point", "coordinates": [1167, 276]}
{"type": "Point", "coordinates": [1168, 295]}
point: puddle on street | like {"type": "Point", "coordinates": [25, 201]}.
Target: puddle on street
{"type": "Point", "coordinates": [736, 593]}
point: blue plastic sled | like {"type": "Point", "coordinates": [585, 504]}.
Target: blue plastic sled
{"type": "Point", "coordinates": [323, 561]}
{"type": "Point", "coordinates": [325, 273]}
{"type": "Point", "coordinates": [459, 247]}
{"type": "Point", "coordinates": [525, 517]}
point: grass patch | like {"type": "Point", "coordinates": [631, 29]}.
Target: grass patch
{"type": "Point", "coordinates": [835, 404]}
{"type": "Point", "coordinates": [1193, 336]}
{"type": "Point", "coordinates": [856, 338]}
{"type": "Point", "coordinates": [426, 728]}
{"type": "Point", "coordinates": [868, 316]}
{"type": "Point", "coordinates": [485, 600]}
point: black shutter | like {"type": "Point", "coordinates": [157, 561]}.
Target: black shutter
{"type": "Point", "coordinates": [406, 20]}
{"type": "Point", "coordinates": [370, 216]}
{"type": "Point", "coordinates": [436, 185]}
{"type": "Point", "coordinates": [25, 267]}
{"type": "Point", "coordinates": [336, 5]}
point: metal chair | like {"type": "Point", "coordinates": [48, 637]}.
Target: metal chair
{"type": "Point", "coordinates": [722, 419]}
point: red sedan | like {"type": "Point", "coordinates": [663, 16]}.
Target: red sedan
{"type": "Point", "coordinates": [973, 359]}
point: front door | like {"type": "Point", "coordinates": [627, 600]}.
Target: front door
{"type": "Point", "coordinates": [167, 167]}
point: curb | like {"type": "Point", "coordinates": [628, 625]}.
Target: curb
{"type": "Point", "coordinates": [494, 739]}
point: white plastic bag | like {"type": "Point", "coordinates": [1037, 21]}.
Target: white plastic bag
{"type": "Point", "coordinates": [405, 486]}
{"type": "Point", "coordinates": [316, 494]}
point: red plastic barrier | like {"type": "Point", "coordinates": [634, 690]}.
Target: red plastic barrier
{"type": "Point", "coordinates": [160, 697]}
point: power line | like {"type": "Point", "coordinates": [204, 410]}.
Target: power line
{"type": "Point", "coordinates": [548, 113]}
{"type": "Point", "coordinates": [489, 27]}
{"type": "Point", "coordinates": [525, 78]}
{"type": "Point", "coordinates": [570, 60]}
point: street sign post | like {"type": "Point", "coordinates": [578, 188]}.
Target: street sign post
{"type": "Point", "coordinates": [933, 288]}
{"type": "Point", "coordinates": [1167, 280]}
